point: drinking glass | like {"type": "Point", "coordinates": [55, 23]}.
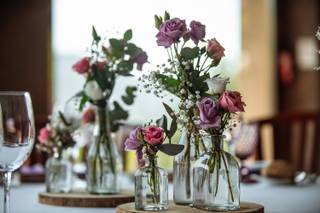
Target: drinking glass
{"type": "Point", "coordinates": [17, 133]}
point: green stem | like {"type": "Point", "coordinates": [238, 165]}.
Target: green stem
{"type": "Point", "coordinates": [187, 160]}
{"type": "Point", "coordinates": [228, 177]}
{"type": "Point", "coordinates": [205, 60]}
{"type": "Point", "coordinates": [105, 135]}
{"type": "Point", "coordinates": [218, 170]}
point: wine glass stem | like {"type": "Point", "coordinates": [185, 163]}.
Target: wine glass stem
{"type": "Point", "coordinates": [6, 187]}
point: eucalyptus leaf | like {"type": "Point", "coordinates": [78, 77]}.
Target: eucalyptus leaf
{"type": "Point", "coordinates": [173, 129]}
{"type": "Point", "coordinates": [169, 111]}
{"type": "Point", "coordinates": [166, 16]}
{"type": "Point", "coordinates": [157, 21]}
{"type": "Point", "coordinates": [95, 35]}
{"type": "Point", "coordinates": [162, 122]}
{"type": "Point", "coordinates": [171, 149]}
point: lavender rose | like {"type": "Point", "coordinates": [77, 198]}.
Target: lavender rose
{"type": "Point", "coordinates": [215, 51]}
{"type": "Point", "coordinates": [209, 117]}
{"type": "Point", "coordinates": [171, 31]}
{"type": "Point", "coordinates": [133, 143]}
{"type": "Point", "coordinates": [231, 101]}
{"type": "Point", "coordinates": [198, 31]}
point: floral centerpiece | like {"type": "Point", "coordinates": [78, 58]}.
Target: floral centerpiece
{"type": "Point", "coordinates": [53, 139]}
{"type": "Point", "coordinates": [187, 74]}
{"type": "Point", "coordinates": [151, 181]}
{"type": "Point", "coordinates": [105, 62]}
{"type": "Point", "coordinates": [216, 185]}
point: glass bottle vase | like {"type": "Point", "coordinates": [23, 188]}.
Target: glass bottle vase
{"type": "Point", "coordinates": [151, 187]}
{"type": "Point", "coordinates": [103, 159]}
{"type": "Point", "coordinates": [58, 174]}
{"type": "Point", "coordinates": [182, 167]}
{"type": "Point", "coordinates": [216, 176]}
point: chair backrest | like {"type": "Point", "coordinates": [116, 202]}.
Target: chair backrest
{"type": "Point", "coordinates": [296, 138]}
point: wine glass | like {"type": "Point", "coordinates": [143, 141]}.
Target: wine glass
{"type": "Point", "coordinates": [17, 136]}
{"type": "Point", "coordinates": [246, 144]}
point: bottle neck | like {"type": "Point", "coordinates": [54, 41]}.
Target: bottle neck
{"type": "Point", "coordinates": [151, 161]}
{"type": "Point", "coordinates": [216, 141]}
{"type": "Point", "coordinates": [102, 119]}
{"type": "Point", "coordinates": [57, 153]}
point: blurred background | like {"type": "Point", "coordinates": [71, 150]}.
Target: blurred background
{"type": "Point", "coordinates": [271, 53]}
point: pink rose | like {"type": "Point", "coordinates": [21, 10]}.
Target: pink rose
{"type": "Point", "coordinates": [231, 100]}
{"type": "Point", "coordinates": [44, 134]}
{"type": "Point", "coordinates": [153, 135]}
{"type": "Point", "coordinates": [82, 66]}
{"type": "Point", "coordinates": [88, 116]}
{"type": "Point", "coordinates": [215, 51]}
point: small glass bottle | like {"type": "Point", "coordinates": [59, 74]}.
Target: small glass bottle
{"type": "Point", "coordinates": [216, 176]}
{"type": "Point", "coordinates": [103, 160]}
{"type": "Point", "coordinates": [58, 174]}
{"type": "Point", "coordinates": [182, 167]}
{"type": "Point", "coordinates": [151, 187]}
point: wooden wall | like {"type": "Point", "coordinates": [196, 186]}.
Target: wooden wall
{"type": "Point", "coordinates": [296, 20]}
{"type": "Point", "coordinates": [25, 51]}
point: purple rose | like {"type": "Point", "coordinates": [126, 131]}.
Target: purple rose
{"type": "Point", "coordinates": [198, 31]}
{"type": "Point", "coordinates": [171, 31]}
{"type": "Point", "coordinates": [140, 58]}
{"type": "Point", "coordinates": [133, 142]}
{"type": "Point", "coordinates": [209, 117]}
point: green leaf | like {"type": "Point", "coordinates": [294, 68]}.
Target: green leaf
{"type": "Point", "coordinates": [203, 50]}
{"type": "Point", "coordinates": [117, 47]}
{"type": "Point", "coordinates": [173, 128]}
{"type": "Point", "coordinates": [157, 21]}
{"type": "Point", "coordinates": [118, 113]}
{"type": "Point", "coordinates": [95, 35]}
{"type": "Point", "coordinates": [199, 82]}
{"type": "Point", "coordinates": [128, 98]}
{"type": "Point", "coordinates": [125, 66]}
{"type": "Point", "coordinates": [169, 111]}
{"type": "Point", "coordinates": [189, 53]}
{"type": "Point", "coordinates": [166, 16]}
{"type": "Point", "coordinates": [162, 122]}
{"type": "Point", "coordinates": [171, 84]}
{"type": "Point", "coordinates": [127, 35]}
{"type": "Point", "coordinates": [171, 149]}
{"type": "Point", "coordinates": [131, 49]}
{"type": "Point", "coordinates": [83, 101]}
{"type": "Point", "coordinates": [102, 78]}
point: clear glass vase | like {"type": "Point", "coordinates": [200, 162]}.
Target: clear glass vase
{"type": "Point", "coordinates": [103, 160]}
{"type": "Point", "coordinates": [182, 167]}
{"type": "Point", "coordinates": [58, 174]}
{"type": "Point", "coordinates": [151, 187]}
{"type": "Point", "coordinates": [216, 179]}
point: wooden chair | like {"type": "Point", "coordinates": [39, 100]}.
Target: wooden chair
{"type": "Point", "coordinates": [296, 138]}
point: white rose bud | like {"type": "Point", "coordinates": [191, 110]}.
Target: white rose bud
{"type": "Point", "coordinates": [217, 85]}
{"type": "Point", "coordinates": [93, 91]}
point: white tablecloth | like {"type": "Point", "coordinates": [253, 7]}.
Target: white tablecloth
{"type": "Point", "coordinates": [275, 198]}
